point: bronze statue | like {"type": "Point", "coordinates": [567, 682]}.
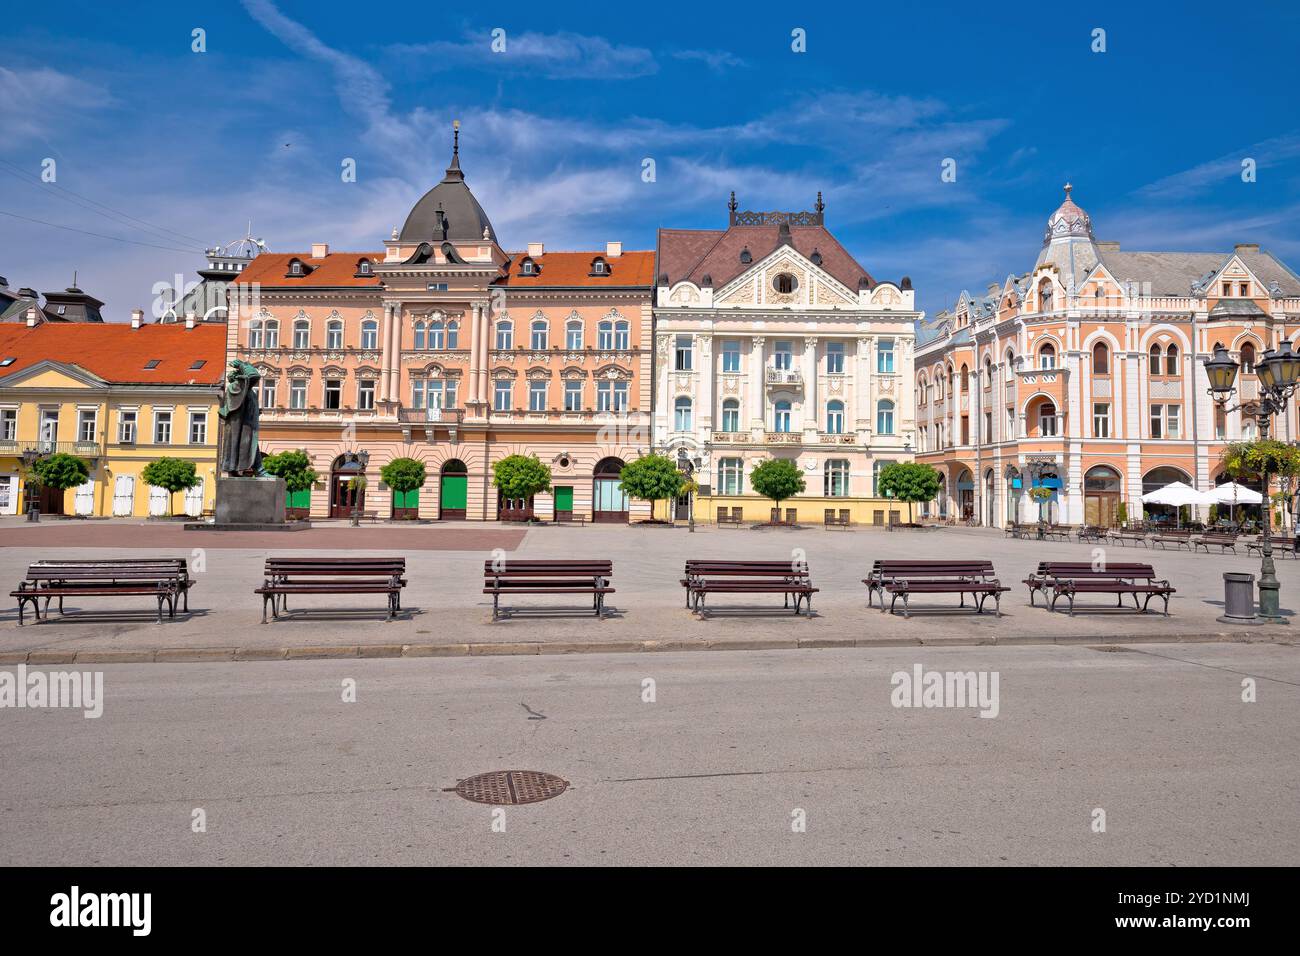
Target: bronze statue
{"type": "Point", "coordinates": [239, 416]}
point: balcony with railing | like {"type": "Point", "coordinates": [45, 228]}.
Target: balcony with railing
{"type": "Point", "coordinates": [789, 377]}
{"type": "Point", "coordinates": [85, 449]}
{"type": "Point", "coordinates": [435, 416]}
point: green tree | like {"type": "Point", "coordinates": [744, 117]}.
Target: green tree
{"type": "Point", "coordinates": [60, 471]}
{"type": "Point", "coordinates": [519, 477]}
{"type": "Point", "coordinates": [909, 481]}
{"type": "Point", "coordinates": [172, 474]}
{"type": "Point", "coordinates": [652, 478]}
{"type": "Point", "coordinates": [404, 475]}
{"type": "Point", "coordinates": [777, 478]}
{"type": "Point", "coordinates": [294, 467]}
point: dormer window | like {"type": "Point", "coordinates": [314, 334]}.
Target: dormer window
{"type": "Point", "coordinates": [745, 256]}
{"type": "Point", "coordinates": [528, 268]}
{"type": "Point", "coordinates": [365, 268]}
{"type": "Point", "coordinates": [599, 267]}
{"type": "Point", "coordinates": [815, 258]}
{"type": "Point", "coordinates": [296, 268]}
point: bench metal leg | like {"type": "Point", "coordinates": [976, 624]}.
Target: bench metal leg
{"type": "Point", "coordinates": [266, 599]}
{"type": "Point", "coordinates": [161, 599]}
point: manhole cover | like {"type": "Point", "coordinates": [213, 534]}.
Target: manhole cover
{"type": "Point", "coordinates": [511, 787]}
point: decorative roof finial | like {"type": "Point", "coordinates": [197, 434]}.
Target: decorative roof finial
{"type": "Point", "coordinates": [455, 138]}
{"type": "Point", "coordinates": [1068, 187]}
{"type": "Point", "coordinates": [821, 206]}
{"type": "Point", "coordinates": [453, 171]}
{"type": "Point", "coordinates": [731, 206]}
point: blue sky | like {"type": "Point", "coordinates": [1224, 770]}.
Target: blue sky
{"type": "Point", "coordinates": [1151, 132]}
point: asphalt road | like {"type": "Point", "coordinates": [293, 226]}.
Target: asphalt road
{"type": "Point", "coordinates": [713, 771]}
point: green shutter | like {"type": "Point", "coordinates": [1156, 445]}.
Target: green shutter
{"type": "Point", "coordinates": [298, 499]}
{"type": "Point", "coordinates": [563, 498]}
{"type": "Point", "coordinates": [406, 499]}
{"type": "Point", "coordinates": [455, 491]}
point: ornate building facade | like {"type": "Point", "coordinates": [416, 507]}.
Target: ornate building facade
{"type": "Point", "coordinates": [444, 347]}
{"type": "Point", "coordinates": [1083, 375]}
{"type": "Point", "coordinates": [772, 341]}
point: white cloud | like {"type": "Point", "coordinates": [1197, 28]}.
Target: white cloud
{"type": "Point", "coordinates": [549, 55]}
{"type": "Point", "coordinates": [33, 102]}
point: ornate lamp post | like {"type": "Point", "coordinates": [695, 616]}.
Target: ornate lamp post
{"type": "Point", "coordinates": [687, 468]}
{"type": "Point", "coordinates": [1278, 372]}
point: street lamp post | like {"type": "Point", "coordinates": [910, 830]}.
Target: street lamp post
{"type": "Point", "coordinates": [687, 468]}
{"type": "Point", "coordinates": [1278, 372]}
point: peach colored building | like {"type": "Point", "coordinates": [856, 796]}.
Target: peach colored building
{"type": "Point", "coordinates": [1084, 375]}
{"type": "Point", "coordinates": [444, 347]}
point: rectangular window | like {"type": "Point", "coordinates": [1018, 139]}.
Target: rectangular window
{"type": "Point", "coordinates": [1157, 421]}
{"type": "Point", "coordinates": [1172, 414]}
{"type": "Point", "coordinates": [731, 356]}
{"type": "Point", "coordinates": [620, 396]}
{"type": "Point", "coordinates": [837, 478]}
{"type": "Point", "coordinates": [573, 396]}
{"type": "Point", "coordinates": [885, 356]}
{"type": "Point", "coordinates": [835, 358]}
{"type": "Point", "coordinates": [683, 355]}
{"type": "Point", "coordinates": [86, 421]}
{"type": "Point", "coordinates": [783, 358]}
{"type": "Point", "coordinates": [502, 400]}
{"type": "Point", "coordinates": [9, 424]}
{"type": "Point", "coordinates": [988, 427]}
{"type": "Point", "coordinates": [731, 476]}
{"type": "Point", "coordinates": [1101, 419]}
{"type": "Point", "coordinates": [198, 428]}
{"type": "Point", "coordinates": [1011, 425]}
{"type": "Point", "coordinates": [366, 394]}
{"type": "Point", "coordinates": [369, 335]}
{"type": "Point", "coordinates": [731, 416]}
{"type": "Point", "coordinates": [417, 392]}
{"type": "Point", "coordinates": [333, 393]}
{"type": "Point", "coordinates": [334, 335]}
{"type": "Point", "coordinates": [537, 396]}
{"type": "Point", "coordinates": [126, 427]}
{"type": "Point", "coordinates": [162, 427]}
{"type": "Point", "coordinates": [301, 335]}
{"type": "Point", "coordinates": [298, 393]}
{"type": "Point", "coordinates": [267, 398]}
{"type": "Point", "coordinates": [573, 340]}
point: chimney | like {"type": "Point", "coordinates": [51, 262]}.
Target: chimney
{"type": "Point", "coordinates": [137, 318]}
{"type": "Point", "coordinates": [1246, 247]}
{"type": "Point", "coordinates": [613, 250]}
{"type": "Point", "coordinates": [319, 250]}
{"type": "Point", "coordinates": [189, 320]}
{"type": "Point", "coordinates": [31, 317]}
{"type": "Point", "coordinates": [536, 250]}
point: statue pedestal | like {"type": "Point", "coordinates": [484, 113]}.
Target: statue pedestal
{"type": "Point", "coordinates": [250, 504]}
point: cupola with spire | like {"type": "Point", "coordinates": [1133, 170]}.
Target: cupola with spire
{"type": "Point", "coordinates": [1068, 220]}
{"type": "Point", "coordinates": [448, 211]}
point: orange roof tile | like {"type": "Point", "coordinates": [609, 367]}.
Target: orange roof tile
{"type": "Point", "coordinates": [118, 353]}
{"type": "Point", "coordinates": [335, 270]}
{"type": "Point", "coordinates": [569, 269]}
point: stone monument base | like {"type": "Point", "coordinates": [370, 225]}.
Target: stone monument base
{"type": "Point", "coordinates": [249, 504]}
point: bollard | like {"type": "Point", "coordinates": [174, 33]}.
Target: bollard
{"type": "Point", "coordinates": [1238, 598]}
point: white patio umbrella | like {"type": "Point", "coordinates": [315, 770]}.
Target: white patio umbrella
{"type": "Point", "coordinates": [1231, 493]}
{"type": "Point", "coordinates": [1177, 494]}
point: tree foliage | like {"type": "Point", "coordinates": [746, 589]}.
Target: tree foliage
{"type": "Point", "coordinates": [61, 471]}
{"type": "Point", "coordinates": [519, 477]}
{"type": "Point", "coordinates": [909, 481]}
{"type": "Point", "coordinates": [404, 474]}
{"type": "Point", "coordinates": [777, 478]}
{"type": "Point", "coordinates": [1250, 459]}
{"type": "Point", "coordinates": [171, 474]}
{"type": "Point", "coordinates": [652, 478]}
{"type": "Point", "coordinates": [294, 467]}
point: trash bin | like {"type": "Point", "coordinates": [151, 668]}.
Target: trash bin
{"type": "Point", "coordinates": [1238, 598]}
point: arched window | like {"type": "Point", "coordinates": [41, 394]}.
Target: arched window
{"type": "Point", "coordinates": [505, 335]}
{"type": "Point", "coordinates": [781, 417]}
{"type": "Point", "coordinates": [988, 373]}
{"type": "Point", "coordinates": [573, 335]}
{"type": "Point", "coordinates": [621, 335]}
{"type": "Point", "coordinates": [255, 338]}
{"type": "Point", "coordinates": [369, 334]}
{"type": "Point", "coordinates": [540, 333]}
{"type": "Point", "coordinates": [965, 379]}
{"type": "Point", "coordinates": [605, 335]}
{"type": "Point", "coordinates": [301, 333]}
{"type": "Point", "coordinates": [436, 333]}
{"type": "Point", "coordinates": [599, 267]}
{"type": "Point", "coordinates": [1045, 295]}
{"type": "Point", "coordinates": [884, 417]}
{"type": "Point", "coordinates": [334, 334]}
{"type": "Point", "coordinates": [682, 414]}
{"type": "Point", "coordinates": [731, 415]}
{"type": "Point", "coordinates": [1247, 359]}
{"type": "Point", "coordinates": [1171, 360]}
{"type": "Point", "coordinates": [453, 327]}
{"type": "Point", "coordinates": [938, 385]}
{"type": "Point", "coordinates": [1155, 366]}
{"type": "Point", "coordinates": [1047, 356]}
{"type": "Point", "coordinates": [1100, 359]}
{"type": "Point", "coordinates": [419, 335]}
{"type": "Point", "coordinates": [835, 417]}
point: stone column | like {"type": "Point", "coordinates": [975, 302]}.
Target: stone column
{"type": "Point", "coordinates": [395, 355]}
{"type": "Point", "coordinates": [757, 385]}
{"type": "Point", "coordinates": [705, 393]}
{"type": "Point", "coordinates": [385, 356]}
{"type": "Point", "coordinates": [811, 412]}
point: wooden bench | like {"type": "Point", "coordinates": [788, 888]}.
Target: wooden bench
{"type": "Point", "coordinates": [165, 579]}
{"type": "Point", "coordinates": [906, 578]}
{"type": "Point", "coordinates": [1015, 530]}
{"type": "Point", "coordinates": [1182, 539]}
{"type": "Point", "coordinates": [570, 517]}
{"type": "Point", "coordinates": [1090, 532]}
{"type": "Point", "coordinates": [1133, 581]}
{"type": "Point", "coordinates": [1058, 531]}
{"type": "Point", "coordinates": [536, 576]}
{"type": "Point", "coordinates": [1041, 579]}
{"type": "Point", "coordinates": [332, 575]}
{"type": "Point", "coordinates": [1281, 546]}
{"type": "Point", "coordinates": [1124, 536]}
{"type": "Point", "coordinates": [736, 518]}
{"type": "Point", "coordinates": [831, 520]}
{"type": "Point", "coordinates": [1216, 540]}
{"type": "Point", "coordinates": [788, 578]}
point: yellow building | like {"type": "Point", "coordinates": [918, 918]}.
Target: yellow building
{"type": "Point", "coordinates": [117, 396]}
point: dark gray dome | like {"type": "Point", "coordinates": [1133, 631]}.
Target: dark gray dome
{"type": "Point", "coordinates": [448, 211]}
